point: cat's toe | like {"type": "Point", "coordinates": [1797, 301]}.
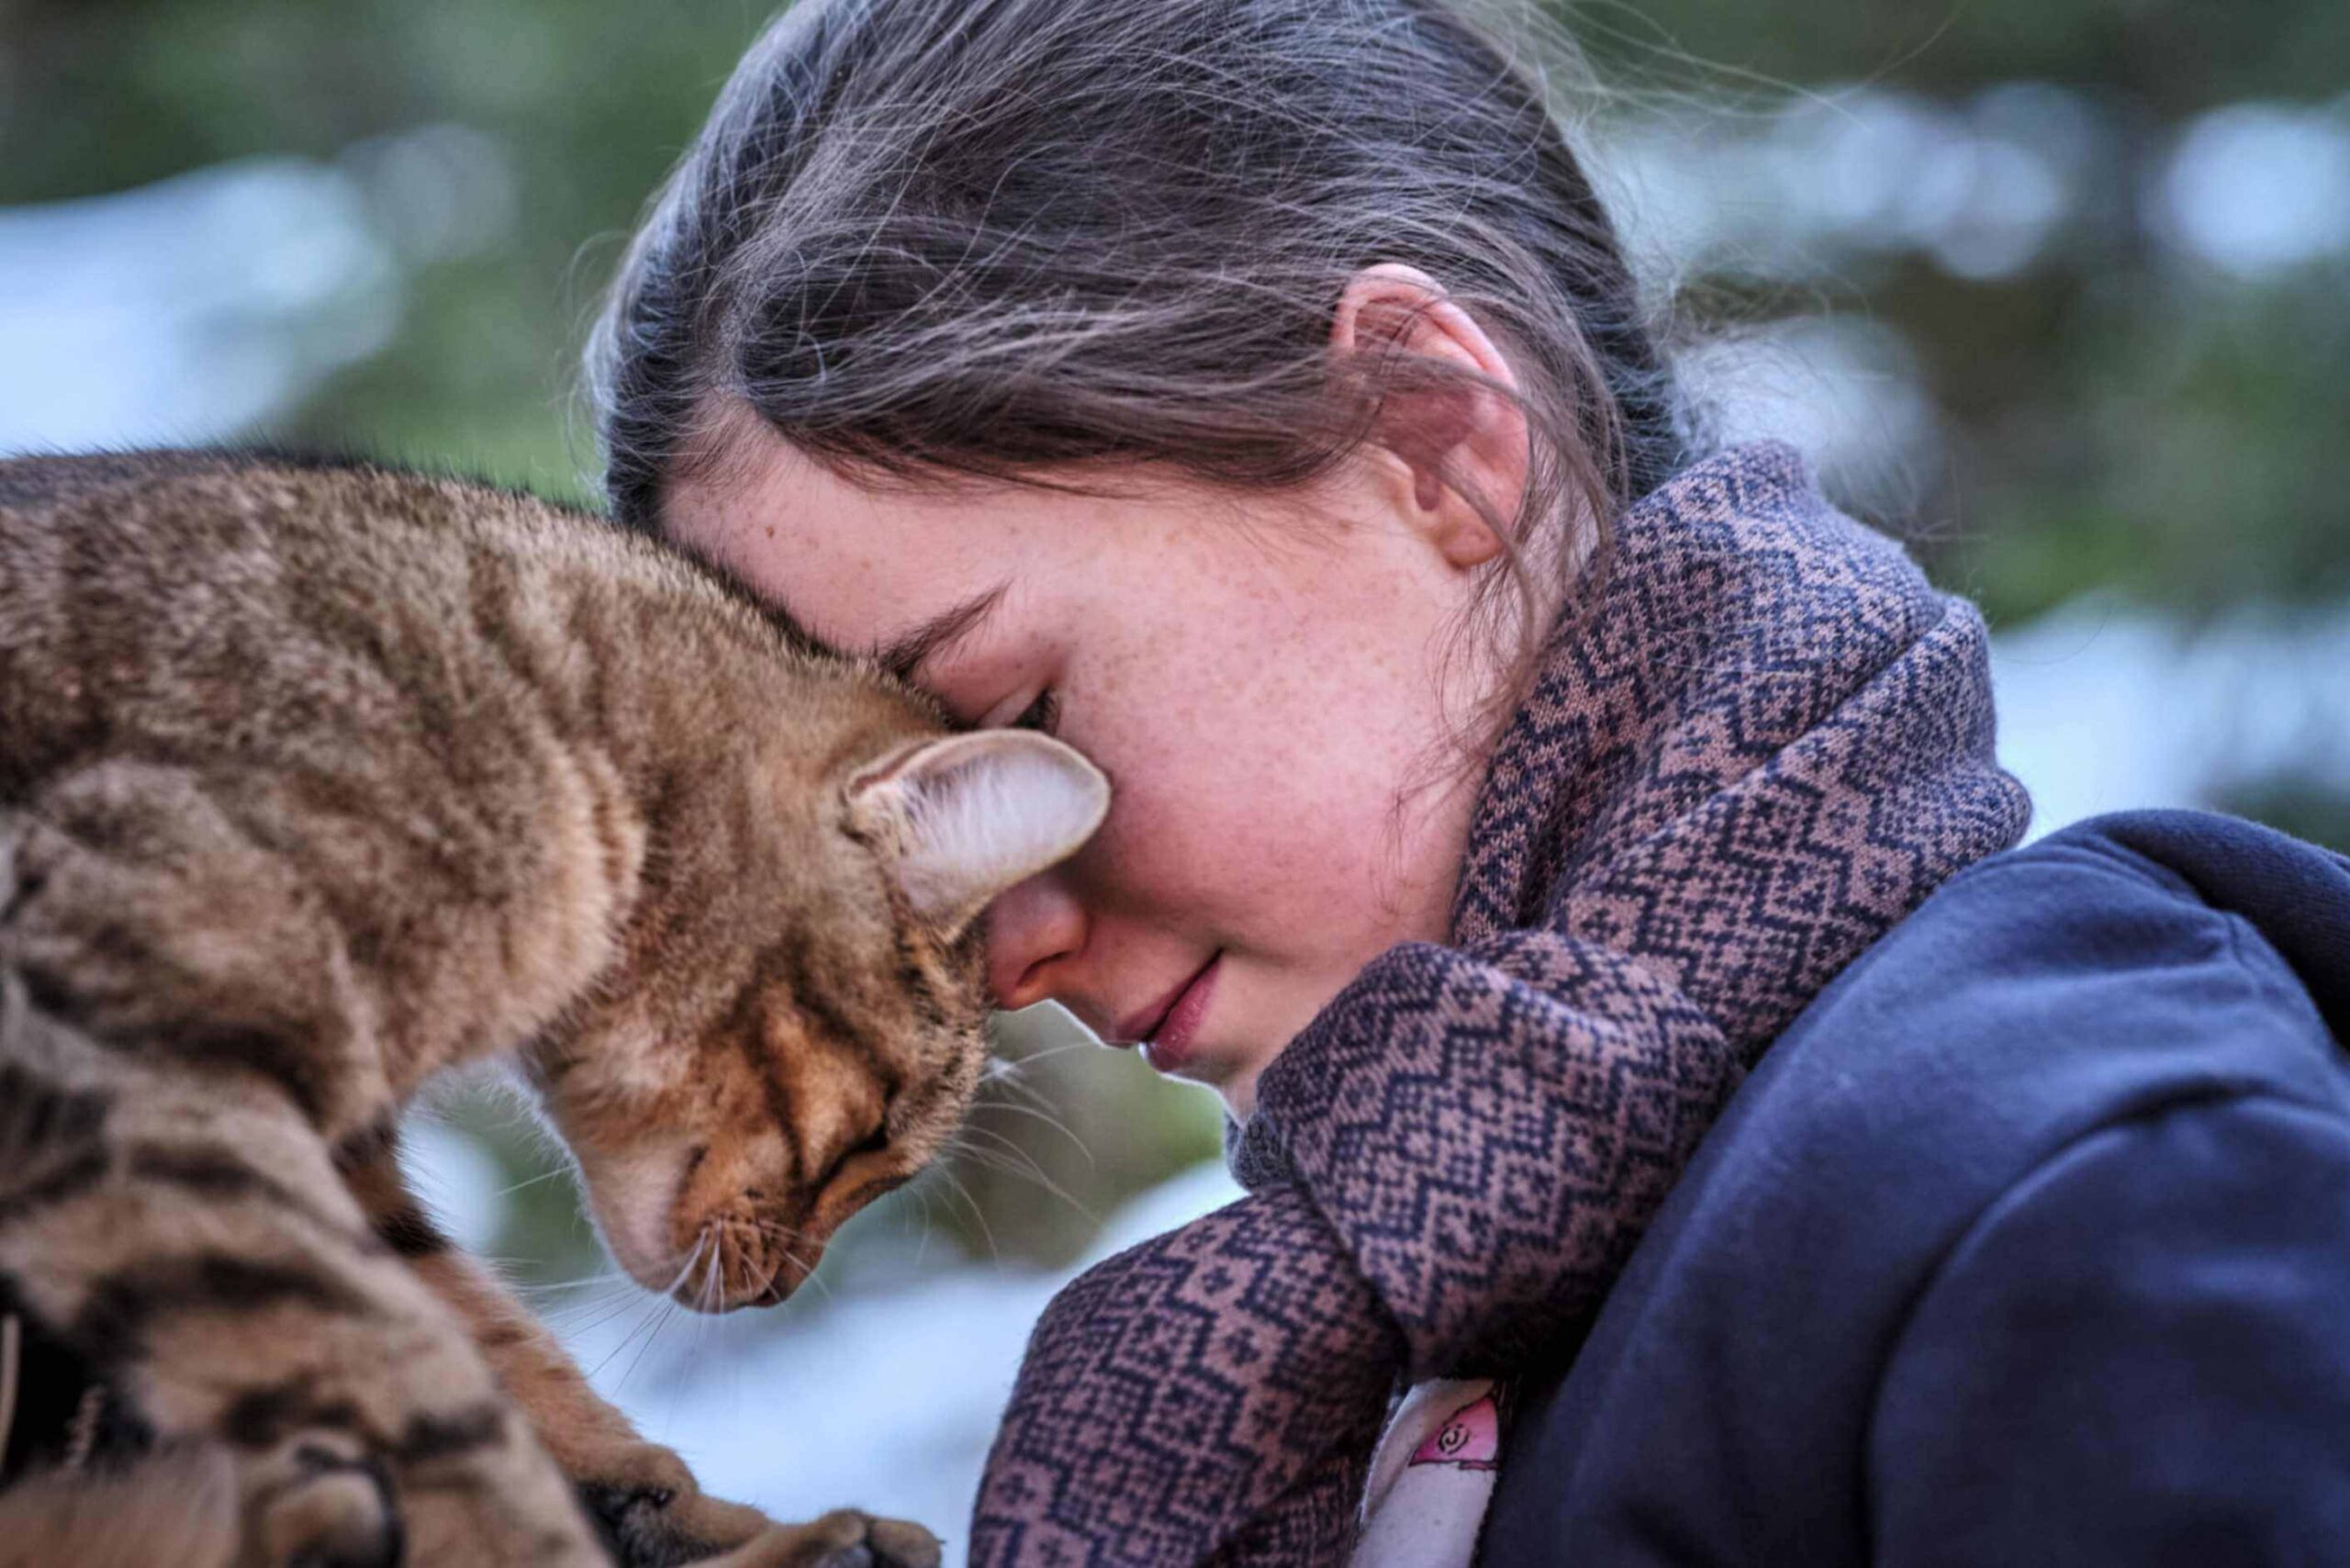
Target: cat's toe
{"type": "Point", "coordinates": [900, 1544]}
{"type": "Point", "coordinates": [321, 1504]}
{"type": "Point", "coordinates": [650, 1514]}
{"type": "Point", "coordinates": [848, 1539]}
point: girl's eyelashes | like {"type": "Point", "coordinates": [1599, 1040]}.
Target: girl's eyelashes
{"type": "Point", "coordinates": [1043, 714]}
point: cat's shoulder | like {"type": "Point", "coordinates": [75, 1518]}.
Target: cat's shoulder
{"type": "Point", "coordinates": [39, 480]}
{"type": "Point", "coordinates": [188, 477]}
{"type": "Point", "coordinates": [358, 518]}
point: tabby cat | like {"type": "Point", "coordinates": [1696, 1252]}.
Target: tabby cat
{"type": "Point", "coordinates": [319, 780]}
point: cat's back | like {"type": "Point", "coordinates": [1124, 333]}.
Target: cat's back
{"type": "Point", "coordinates": [194, 602]}
{"type": "Point", "coordinates": [457, 718]}
{"type": "Point", "coordinates": [242, 533]}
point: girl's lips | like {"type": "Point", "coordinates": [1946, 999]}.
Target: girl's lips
{"type": "Point", "coordinates": [1169, 1046]}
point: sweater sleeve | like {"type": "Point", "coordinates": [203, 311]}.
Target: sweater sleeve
{"type": "Point", "coordinates": [2139, 1353]}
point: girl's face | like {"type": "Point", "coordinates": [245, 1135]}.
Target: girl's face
{"type": "Point", "coordinates": [1260, 681]}
{"type": "Point", "coordinates": [1264, 680]}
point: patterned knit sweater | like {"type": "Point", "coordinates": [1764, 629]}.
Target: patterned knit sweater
{"type": "Point", "coordinates": [1762, 743]}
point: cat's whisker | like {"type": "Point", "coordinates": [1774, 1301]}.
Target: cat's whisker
{"type": "Point", "coordinates": [997, 1091]}
{"type": "Point", "coordinates": [645, 1316]}
{"type": "Point", "coordinates": [776, 1229]}
{"type": "Point", "coordinates": [1007, 1155]}
{"type": "Point", "coordinates": [700, 1331]}
{"type": "Point", "coordinates": [946, 1174]}
{"type": "Point", "coordinates": [533, 1182]}
{"type": "Point", "coordinates": [922, 1247]}
{"type": "Point", "coordinates": [659, 1310]}
{"type": "Point", "coordinates": [1008, 1066]}
{"type": "Point", "coordinates": [702, 1239]}
{"type": "Point", "coordinates": [567, 1303]}
{"type": "Point", "coordinates": [712, 1287]}
{"type": "Point", "coordinates": [1026, 1170]}
{"type": "Point", "coordinates": [1014, 1163]}
{"type": "Point", "coordinates": [1012, 1079]}
{"type": "Point", "coordinates": [612, 1303]}
{"type": "Point", "coordinates": [588, 1318]}
{"type": "Point", "coordinates": [613, 1275]}
{"type": "Point", "coordinates": [574, 1294]}
{"type": "Point", "coordinates": [1008, 1091]}
{"type": "Point", "coordinates": [584, 1318]}
{"type": "Point", "coordinates": [573, 1297]}
{"type": "Point", "coordinates": [618, 1305]}
{"type": "Point", "coordinates": [1047, 1117]}
{"type": "Point", "coordinates": [786, 1234]}
{"type": "Point", "coordinates": [1011, 1147]}
{"type": "Point", "coordinates": [669, 1310]}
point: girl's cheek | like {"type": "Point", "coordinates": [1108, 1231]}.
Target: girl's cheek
{"type": "Point", "coordinates": [1134, 865]}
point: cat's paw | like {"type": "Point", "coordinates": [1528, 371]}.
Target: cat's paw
{"type": "Point", "coordinates": [650, 1512]}
{"type": "Point", "coordinates": [317, 1501]}
{"type": "Point", "coordinates": [842, 1539]}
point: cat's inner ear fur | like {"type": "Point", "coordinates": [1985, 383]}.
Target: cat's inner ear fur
{"type": "Point", "coordinates": [958, 821]}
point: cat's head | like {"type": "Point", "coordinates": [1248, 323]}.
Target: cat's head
{"type": "Point", "coordinates": [796, 1027]}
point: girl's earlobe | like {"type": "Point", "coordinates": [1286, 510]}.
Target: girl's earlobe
{"type": "Point", "coordinates": [1444, 410]}
{"type": "Point", "coordinates": [1460, 532]}
{"type": "Point", "coordinates": [1427, 433]}
{"type": "Point", "coordinates": [960, 820]}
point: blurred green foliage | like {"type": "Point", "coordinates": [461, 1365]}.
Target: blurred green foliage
{"type": "Point", "coordinates": [2108, 422]}
{"type": "Point", "coordinates": [2114, 433]}
{"type": "Point", "coordinates": [591, 99]}
{"type": "Point", "coordinates": [2171, 57]}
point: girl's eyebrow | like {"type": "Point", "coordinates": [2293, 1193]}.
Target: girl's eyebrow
{"type": "Point", "coordinates": [902, 656]}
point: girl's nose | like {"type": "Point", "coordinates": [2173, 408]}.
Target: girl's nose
{"type": "Point", "coordinates": [1031, 932]}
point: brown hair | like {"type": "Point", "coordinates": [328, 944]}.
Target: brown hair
{"type": "Point", "coordinates": [930, 237]}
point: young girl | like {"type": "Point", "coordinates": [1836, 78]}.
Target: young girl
{"type": "Point", "coordinates": [1577, 860]}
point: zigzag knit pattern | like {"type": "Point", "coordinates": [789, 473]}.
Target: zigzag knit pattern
{"type": "Point", "coordinates": [1760, 744]}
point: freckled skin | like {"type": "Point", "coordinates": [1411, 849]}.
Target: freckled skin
{"type": "Point", "coordinates": [1260, 678]}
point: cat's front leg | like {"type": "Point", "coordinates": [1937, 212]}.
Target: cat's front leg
{"type": "Point", "coordinates": [843, 1539]}
{"type": "Point", "coordinates": [187, 1239]}
{"type": "Point", "coordinates": [642, 1497]}
{"type": "Point", "coordinates": [651, 1511]}
{"type": "Point", "coordinates": [136, 908]}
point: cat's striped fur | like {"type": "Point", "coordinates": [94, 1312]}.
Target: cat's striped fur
{"type": "Point", "coordinates": [317, 780]}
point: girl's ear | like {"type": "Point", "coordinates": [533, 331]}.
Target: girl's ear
{"type": "Point", "coordinates": [1440, 432]}
{"type": "Point", "coordinates": [958, 821]}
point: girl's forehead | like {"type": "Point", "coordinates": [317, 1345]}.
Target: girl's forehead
{"type": "Point", "coordinates": [756, 482]}
{"type": "Point", "coordinates": [861, 567]}
{"type": "Point", "coordinates": [863, 564]}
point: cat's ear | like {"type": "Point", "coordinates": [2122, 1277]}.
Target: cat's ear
{"type": "Point", "coordinates": [960, 820]}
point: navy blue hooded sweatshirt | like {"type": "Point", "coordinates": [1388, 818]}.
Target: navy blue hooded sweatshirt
{"type": "Point", "coordinates": [2029, 1241]}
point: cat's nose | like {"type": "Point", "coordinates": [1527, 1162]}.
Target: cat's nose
{"type": "Point", "coordinates": [1032, 932]}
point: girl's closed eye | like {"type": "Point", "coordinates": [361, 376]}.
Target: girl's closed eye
{"type": "Point", "coordinates": [1044, 714]}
